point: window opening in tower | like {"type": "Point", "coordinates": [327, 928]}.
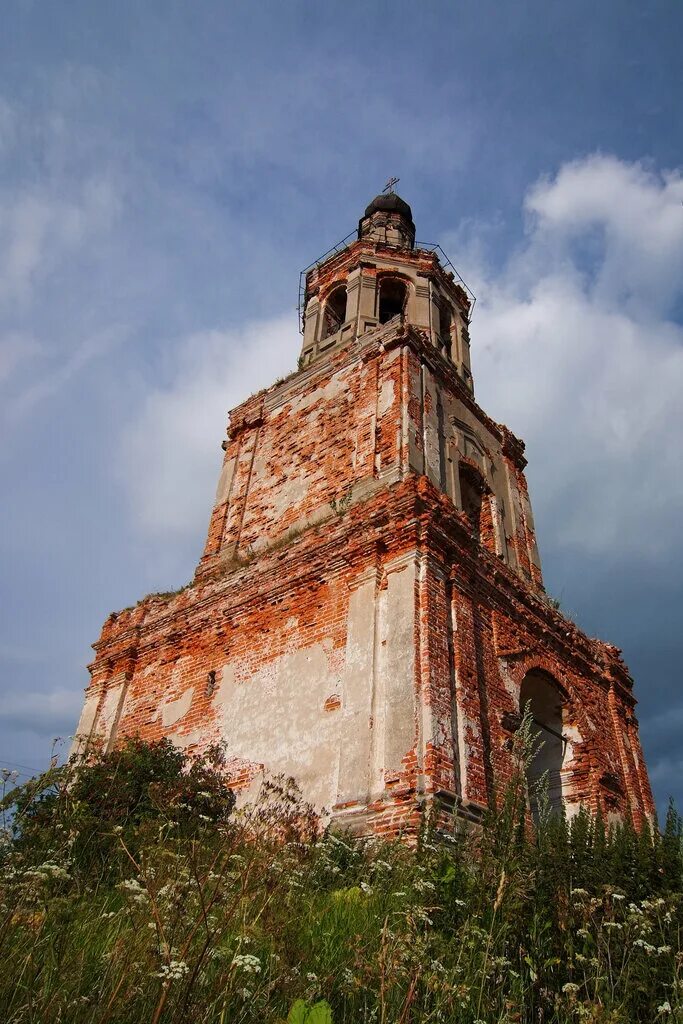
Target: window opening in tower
{"type": "Point", "coordinates": [392, 299]}
{"type": "Point", "coordinates": [335, 311]}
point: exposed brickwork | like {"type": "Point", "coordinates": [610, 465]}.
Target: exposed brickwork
{"type": "Point", "coordinates": [350, 623]}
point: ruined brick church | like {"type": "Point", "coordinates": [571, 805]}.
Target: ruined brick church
{"type": "Point", "coordinates": [368, 615]}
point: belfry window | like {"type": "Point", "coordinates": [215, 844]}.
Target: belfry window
{"type": "Point", "coordinates": [476, 504]}
{"type": "Point", "coordinates": [445, 327]}
{"type": "Point", "coordinates": [335, 311]}
{"type": "Point", "coordinates": [542, 699]}
{"type": "Point", "coordinates": [392, 299]}
{"type": "Point", "coordinates": [471, 496]}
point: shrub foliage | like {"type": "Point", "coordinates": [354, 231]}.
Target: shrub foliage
{"type": "Point", "coordinates": [132, 890]}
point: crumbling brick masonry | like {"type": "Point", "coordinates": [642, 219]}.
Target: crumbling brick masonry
{"type": "Point", "coordinates": [369, 615]}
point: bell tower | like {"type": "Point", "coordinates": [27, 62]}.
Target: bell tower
{"type": "Point", "coordinates": [368, 615]}
{"type": "Point", "coordinates": [382, 276]}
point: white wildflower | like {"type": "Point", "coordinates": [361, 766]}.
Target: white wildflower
{"type": "Point", "coordinates": [130, 885]}
{"type": "Point", "coordinates": [247, 963]}
{"type": "Point", "coordinates": [422, 885]}
{"type": "Point", "coordinates": [49, 870]}
{"type": "Point", "coordinates": [174, 970]}
{"type": "Point", "coordinates": [570, 988]}
{"type": "Point", "coordinates": [382, 864]}
{"type": "Point", "coordinates": [644, 945]}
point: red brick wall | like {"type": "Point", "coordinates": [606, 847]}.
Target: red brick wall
{"type": "Point", "coordinates": [329, 499]}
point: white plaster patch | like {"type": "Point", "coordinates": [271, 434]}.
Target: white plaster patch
{"type": "Point", "coordinates": [110, 707]}
{"type": "Point", "coordinates": [386, 396]}
{"type": "Point", "coordinates": [187, 739]}
{"type": "Point", "coordinates": [357, 694]}
{"type": "Point", "coordinates": [173, 710]}
{"type": "Point", "coordinates": [85, 722]}
{"type": "Point", "coordinates": [432, 437]}
{"type": "Point", "coordinates": [287, 494]}
{"type": "Point", "coordinates": [572, 734]}
{"type": "Point", "coordinates": [224, 481]}
{"type": "Point", "coordinates": [276, 717]}
{"type": "Point", "coordinates": [336, 387]}
{"type": "Point", "coordinates": [396, 662]}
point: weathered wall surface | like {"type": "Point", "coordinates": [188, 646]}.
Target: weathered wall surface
{"type": "Point", "coordinates": [336, 432]}
{"type": "Point", "coordinates": [303, 663]}
{"type": "Point", "coordinates": [348, 627]}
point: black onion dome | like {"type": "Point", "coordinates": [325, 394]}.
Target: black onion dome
{"type": "Point", "coordinates": [390, 203]}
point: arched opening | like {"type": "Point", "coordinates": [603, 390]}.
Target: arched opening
{"type": "Point", "coordinates": [392, 299]}
{"type": "Point", "coordinates": [541, 697]}
{"type": "Point", "coordinates": [335, 311]}
{"type": "Point", "coordinates": [471, 495]}
{"type": "Point", "coordinates": [445, 328]}
{"type": "Point", "coordinates": [476, 504]}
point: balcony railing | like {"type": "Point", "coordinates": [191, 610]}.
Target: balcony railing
{"type": "Point", "coordinates": [345, 242]}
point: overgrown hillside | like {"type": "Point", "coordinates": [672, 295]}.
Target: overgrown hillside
{"type": "Point", "coordinates": [133, 891]}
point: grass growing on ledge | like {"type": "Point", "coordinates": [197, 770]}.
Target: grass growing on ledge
{"type": "Point", "coordinates": [133, 891]}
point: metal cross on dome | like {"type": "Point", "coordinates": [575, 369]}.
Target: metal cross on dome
{"type": "Point", "coordinates": [389, 187]}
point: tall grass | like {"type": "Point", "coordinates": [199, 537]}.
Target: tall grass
{"type": "Point", "coordinates": [133, 891]}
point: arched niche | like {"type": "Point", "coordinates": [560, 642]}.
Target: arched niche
{"type": "Point", "coordinates": [541, 696]}
{"type": "Point", "coordinates": [475, 497]}
{"type": "Point", "coordinates": [392, 298]}
{"type": "Point", "coordinates": [334, 312]}
{"type": "Point", "coordinates": [446, 329]}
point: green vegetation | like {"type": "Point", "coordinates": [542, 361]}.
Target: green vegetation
{"type": "Point", "coordinates": [132, 890]}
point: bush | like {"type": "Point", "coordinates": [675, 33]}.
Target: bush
{"type": "Point", "coordinates": [102, 812]}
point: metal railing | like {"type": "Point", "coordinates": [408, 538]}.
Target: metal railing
{"type": "Point", "coordinates": [346, 242]}
{"type": "Point", "coordinates": [339, 247]}
{"type": "Point", "coordinates": [446, 262]}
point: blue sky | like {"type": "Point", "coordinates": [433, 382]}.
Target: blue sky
{"type": "Point", "coordinates": [167, 168]}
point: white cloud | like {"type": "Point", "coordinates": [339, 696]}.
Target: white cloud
{"type": "Point", "coordinates": [573, 349]}
{"type": "Point", "coordinates": [636, 219]}
{"type": "Point", "coordinates": [38, 228]}
{"type": "Point", "coordinates": [170, 455]}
